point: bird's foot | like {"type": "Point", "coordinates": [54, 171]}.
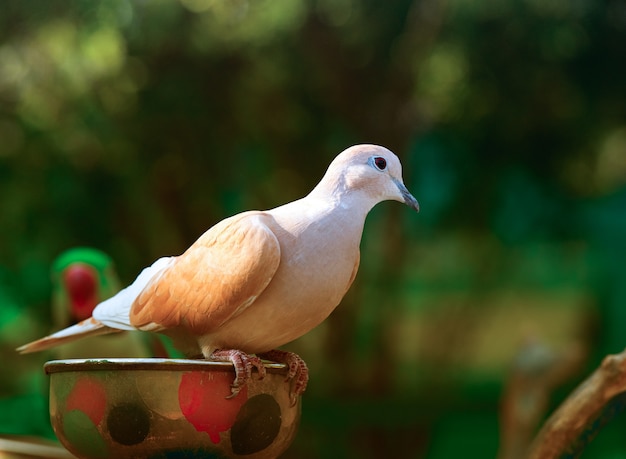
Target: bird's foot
{"type": "Point", "coordinates": [243, 364]}
{"type": "Point", "coordinates": [298, 371]}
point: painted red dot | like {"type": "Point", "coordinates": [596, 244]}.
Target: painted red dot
{"type": "Point", "coordinates": [88, 396]}
{"type": "Point", "coordinates": [203, 402]}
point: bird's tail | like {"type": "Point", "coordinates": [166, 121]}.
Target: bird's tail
{"type": "Point", "coordinates": [88, 327]}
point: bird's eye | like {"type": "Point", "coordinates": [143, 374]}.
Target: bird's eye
{"type": "Point", "coordinates": [380, 163]}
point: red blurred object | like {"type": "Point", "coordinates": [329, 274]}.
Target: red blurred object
{"type": "Point", "coordinates": [82, 287]}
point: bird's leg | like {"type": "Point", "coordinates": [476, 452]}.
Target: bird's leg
{"type": "Point", "coordinates": [298, 371]}
{"type": "Point", "coordinates": [243, 364]}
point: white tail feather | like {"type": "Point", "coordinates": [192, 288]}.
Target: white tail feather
{"type": "Point", "coordinates": [88, 327]}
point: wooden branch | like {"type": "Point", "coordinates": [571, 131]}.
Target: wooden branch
{"type": "Point", "coordinates": [536, 372]}
{"type": "Point", "coordinates": [572, 426]}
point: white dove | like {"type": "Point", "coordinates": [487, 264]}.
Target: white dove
{"type": "Point", "coordinates": [259, 279]}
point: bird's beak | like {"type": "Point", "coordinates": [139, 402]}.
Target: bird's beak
{"type": "Point", "coordinates": [409, 199]}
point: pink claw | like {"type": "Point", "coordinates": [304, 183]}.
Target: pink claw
{"type": "Point", "coordinates": [298, 371]}
{"type": "Point", "coordinates": [243, 364]}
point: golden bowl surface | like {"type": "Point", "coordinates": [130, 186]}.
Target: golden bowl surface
{"type": "Point", "coordinates": [169, 409]}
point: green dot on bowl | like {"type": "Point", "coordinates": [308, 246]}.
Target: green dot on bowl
{"type": "Point", "coordinates": [83, 435]}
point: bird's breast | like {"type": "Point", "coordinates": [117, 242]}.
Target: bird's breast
{"type": "Point", "coordinates": [317, 266]}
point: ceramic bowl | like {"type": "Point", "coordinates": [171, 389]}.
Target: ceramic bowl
{"type": "Point", "coordinates": [169, 408]}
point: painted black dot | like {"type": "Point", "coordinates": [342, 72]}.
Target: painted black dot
{"type": "Point", "coordinates": [128, 423]}
{"type": "Point", "coordinates": [257, 425]}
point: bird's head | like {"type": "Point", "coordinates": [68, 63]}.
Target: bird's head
{"type": "Point", "coordinates": [371, 170]}
{"type": "Point", "coordinates": [81, 278]}
{"type": "Point", "coordinates": [81, 283]}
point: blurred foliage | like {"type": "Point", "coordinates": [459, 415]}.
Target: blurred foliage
{"type": "Point", "coordinates": [133, 126]}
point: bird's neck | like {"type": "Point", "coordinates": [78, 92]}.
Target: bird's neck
{"type": "Point", "coordinates": [341, 210]}
{"type": "Point", "coordinates": [337, 196]}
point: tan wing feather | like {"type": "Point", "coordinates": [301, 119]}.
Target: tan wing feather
{"type": "Point", "coordinates": [220, 275]}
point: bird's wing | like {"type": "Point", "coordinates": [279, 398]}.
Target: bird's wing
{"type": "Point", "coordinates": [115, 312]}
{"type": "Point", "coordinates": [219, 276]}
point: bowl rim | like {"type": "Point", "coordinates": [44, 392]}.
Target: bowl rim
{"type": "Point", "coordinates": [151, 364]}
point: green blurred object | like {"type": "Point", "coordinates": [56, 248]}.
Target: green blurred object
{"type": "Point", "coordinates": [81, 278]}
{"type": "Point", "coordinates": [97, 264]}
{"type": "Point", "coordinates": [26, 414]}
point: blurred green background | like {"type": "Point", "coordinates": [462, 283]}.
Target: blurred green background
{"type": "Point", "coordinates": [133, 126]}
